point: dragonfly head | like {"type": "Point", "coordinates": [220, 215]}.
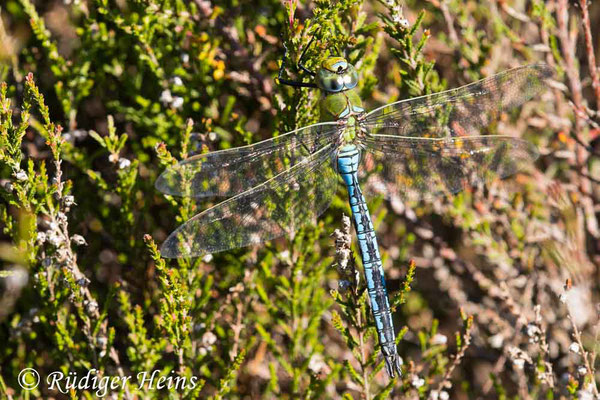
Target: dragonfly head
{"type": "Point", "coordinates": [336, 75]}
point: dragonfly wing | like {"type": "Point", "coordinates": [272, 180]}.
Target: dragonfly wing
{"type": "Point", "coordinates": [417, 168]}
{"type": "Point", "coordinates": [232, 171]}
{"type": "Point", "coordinates": [274, 208]}
{"type": "Point", "coordinates": [462, 111]}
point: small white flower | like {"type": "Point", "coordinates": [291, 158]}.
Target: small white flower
{"type": "Point", "coordinates": [165, 97]}
{"type": "Point", "coordinates": [212, 136]}
{"type": "Point", "coordinates": [585, 395]}
{"type": "Point", "coordinates": [177, 102]}
{"type": "Point", "coordinates": [185, 58]}
{"type": "Point", "coordinates": [398, 16]}
{"type": "Point", "coordinates": [101, 341]}
{"type": "Point", "coordinates": [343, 263]}
{"type": "Point", "coordinates": [61, 217]}
{"type": "Point", "coordinates": [80, 133]}
{"type": "Point", "coordinates": [574, 348]}
{"type": "Point", "coordinates": [207, 258]}
{"type": "Point", "coordinates": [41, 237]}
{"type": "Point", "coordinates": [444, 395]}
{"type": "Point", "coordinates": [285, 255]}
{"type": "Point", "coordinates": [439, 339]}
{"type": "Point", "coordinates": [16, 279]}
{"type": "Point", "coordinates": [8, 186]}
{"type": "Point", "coordinates": [434, 395]}
{"type": "Point", "coordinates": [496, 341]}
{"type": "Point", "coordinates": [417, 382]}
{"type": "Point", "coordinates": [209, 339]}
{"type": "Point", "coordinates": [582, 370]}
{"type": "Point", "coordinates": [532, 330]}
{"type": "Point", "coordinates": [519, 363]}
{"type": "Point", "coordinates": [177, 81]}
{"type": "Point", "coordinates": [124, 163]}
{"type": "Point", "coordinates": [78, 240]}
{"type": "Point", "coordinates": [403, 22]}
{"type": "Point", "coordinates": [316, 363]}
{"type": "Point", "coordinates": [54, 239]}
{"type": "Point", "coordinates": [21, 175]}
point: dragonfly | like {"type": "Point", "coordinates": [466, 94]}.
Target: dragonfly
{"type": "Point", "coordinates": [416, 148]}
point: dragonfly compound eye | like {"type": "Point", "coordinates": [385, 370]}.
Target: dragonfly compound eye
{"type": "Point", "coordinates": [350, 77]}
{"type": "Point", "coordinates": [335, 83]}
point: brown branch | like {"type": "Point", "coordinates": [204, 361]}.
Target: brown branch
{"type": "Point", "coordinates": [568, 42]}
{"type": "Point", "coordinates": [589, 47]}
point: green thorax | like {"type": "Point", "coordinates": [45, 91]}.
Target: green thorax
{"type": "Point", "coordinates": [339, 105]}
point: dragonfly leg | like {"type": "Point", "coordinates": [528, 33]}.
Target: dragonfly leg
{"type": "Point", "coordinates": [288, 82]}
{"type": "Point", "coordinates": [300, 64]}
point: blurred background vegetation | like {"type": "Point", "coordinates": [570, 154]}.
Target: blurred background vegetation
{"type": "Point", "coordinates": [101, 95]}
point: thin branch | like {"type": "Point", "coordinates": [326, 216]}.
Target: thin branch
{"type": "Point", "coordinates": [589, 47]}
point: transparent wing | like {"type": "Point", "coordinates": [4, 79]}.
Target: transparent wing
{"type": "Point", "coordinates": [417, 168]}
{"type": "Point", "coordinates": [232, 171]}
{"type": "Point", "coordinates": [461, 111]}
{"type": "Point", "coordinates": [278, 206]}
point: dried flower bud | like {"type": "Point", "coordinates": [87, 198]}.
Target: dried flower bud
{"type": "Point", "coordinates": [78, 240]}
{"type": "Point", "coordinates": [344, 285]}
{"type": "Point", "coordinates": [519, 363]}
{"type": "Point", "coordinates": [8, 186]}
{"type": "Point", "coordinates": [83, 282]}
{"type": "Point", "coordinates": [61, 217]}
{"type": "Point", "coordinates": [69, 200]}
{"type": "Point", "coordinates": [90, 306]}
{"type": "Point", "coordinates": [574, 348]}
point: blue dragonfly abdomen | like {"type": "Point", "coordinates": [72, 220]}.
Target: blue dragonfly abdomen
{"type": "Point", "coordinates": [348, 160]}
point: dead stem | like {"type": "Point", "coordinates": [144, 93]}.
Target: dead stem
{"type": "Point", "coordinates": [589, 47]}
{"type": "Point", "coordinates": [568, 44]}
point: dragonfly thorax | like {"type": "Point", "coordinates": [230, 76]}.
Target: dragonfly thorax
{"type": "Point", "coordinates": [337, 78]}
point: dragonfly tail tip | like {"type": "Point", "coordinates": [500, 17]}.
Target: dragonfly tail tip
{"type": "Point", "coordinates": [393, 364]}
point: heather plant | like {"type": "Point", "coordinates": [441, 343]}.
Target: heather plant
{"type": "Point", "coordinates": [494, 290]}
